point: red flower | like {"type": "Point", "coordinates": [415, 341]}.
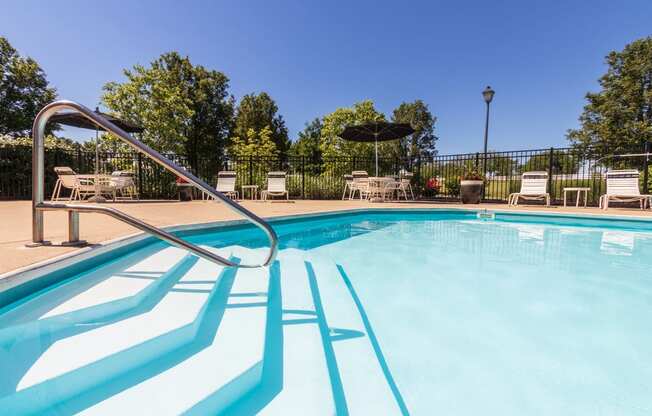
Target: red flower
{"type": "Point", "coordinates": [432, 184]}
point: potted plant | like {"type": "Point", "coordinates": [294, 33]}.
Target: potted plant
{"type": "Point", "coordinates": [471, 185]}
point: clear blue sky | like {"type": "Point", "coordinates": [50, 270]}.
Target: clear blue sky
{"type": "Point", "coordinates": [541, 57]}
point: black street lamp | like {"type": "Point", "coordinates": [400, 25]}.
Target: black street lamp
{"type": "Point", "coordinates": [488, 95]}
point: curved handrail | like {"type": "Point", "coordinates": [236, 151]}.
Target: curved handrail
{"type": "Point", "coordinates": [38, 175]}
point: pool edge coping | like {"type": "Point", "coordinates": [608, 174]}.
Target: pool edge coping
{"type": "Point", "coordinates": [23, 275]}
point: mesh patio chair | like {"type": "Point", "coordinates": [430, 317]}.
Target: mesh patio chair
{"type": "Point", "coordinates": [534, 187]}
{"type": "Point", "coordinates": [622, 186]}
{"type": "Point", "coordinates": [360, 184]}
{"type": "Point", "coordinates": [275, 186]}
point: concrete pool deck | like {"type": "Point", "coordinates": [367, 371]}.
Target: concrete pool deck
{"type": "Point", "coordinates": [15, 220]}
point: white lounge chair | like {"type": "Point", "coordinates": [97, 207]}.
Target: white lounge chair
{"type": "Point", "coordinates": [348, 186]}
{"type": "Point", "coordinates": [226, 183]}
{"type": "Point", "coordinates": [275, 186]}
{"type": "Point", "coordinates": [360, 184]}
{"type": "Point", "coordinates": [67, 178]}
{"type": "Point", "coordinates": [622, 186]}
{"type": "Point", "coordinates": [534, 187]}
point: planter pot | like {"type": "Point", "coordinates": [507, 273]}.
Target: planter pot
{"type": "Point", "coordinates": [471, 191]}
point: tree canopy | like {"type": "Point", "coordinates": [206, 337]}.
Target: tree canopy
{"type": "Point", "coordinates": [257, 111]}
{"type": "Point", "coordinates": [184, 108]}
{"type": "Point", "coordinates": [334, 123]}
{"type": "Point", "coordinates": [422, 142]}
{"type": "Point", "coordinates": [307, 143]}
{"type": "Point", "coordinates": [24, 90]}
{"type": "Point", "coordinates": [618, 118]}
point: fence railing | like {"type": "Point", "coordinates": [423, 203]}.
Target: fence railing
{"type": "Point", "coordinates": [434, 178]}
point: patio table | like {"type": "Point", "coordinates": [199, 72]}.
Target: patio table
{"type": "Point", "coordinates": [579, 193]}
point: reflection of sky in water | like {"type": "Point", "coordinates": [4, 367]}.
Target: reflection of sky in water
{"type": "Point", "coordinates": [527, 318]}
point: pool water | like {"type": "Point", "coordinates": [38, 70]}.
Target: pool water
{"type": "Point", "coordinates": [366, 313]}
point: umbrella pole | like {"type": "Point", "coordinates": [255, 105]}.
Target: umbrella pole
{"type": "Point", "coordinates": [376, 141]}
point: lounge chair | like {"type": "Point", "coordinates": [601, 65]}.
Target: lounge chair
{"type": "Point", "coordinates": [226, 183]}
{"type": "Point", "coordinates": [622, 186]}
{"type": "Point", "coordinates": [348, 184]}
{"type": "Point", "coordinates": [275, 186]}
{"type": "Point", "coordinates": [123, 185]}
{"type": "Point", "coordinates": [534, 187]}
{"type": "Point", "coordinates": [360, 184]}
{"type": "Point", "coordinates": [67, 178]}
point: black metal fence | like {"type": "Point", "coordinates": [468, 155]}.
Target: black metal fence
{"type": "Point", "coordinates": [435, 178]}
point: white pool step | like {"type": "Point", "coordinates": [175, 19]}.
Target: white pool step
{"type": "Point", "coordinates": [82, 363]}
{"type": "Point", "coordinates": [306, 387]}
{"type": "Point", "coordinates": [211, 379]}
{"type": "Point", "coordinates": [122, 278]}
{"type": "Point", "coordinates": [365, 384]}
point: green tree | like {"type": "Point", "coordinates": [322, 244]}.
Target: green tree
{"type": "Point", "coordinates": [307, 144]}
{"type": "Point", "coordinates": [254, 143]}
{"type": "Point", "coordinates": [24, 90]}
{"type": "Point", "coordinates": [618, 118]}
{"type": "Point", "coordinates": [257, 111]}
{"type": "Point", "coordinates": [562, 163]}
{"type": "Point", "coordinates": [185, 109]}
{"type": "Point", "coordinates": [334, 123]}
{"type": "Point", "coordinates": [422, 142]}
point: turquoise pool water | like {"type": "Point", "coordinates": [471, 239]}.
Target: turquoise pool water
{"type": "Point", "coordinates": [432, 312]}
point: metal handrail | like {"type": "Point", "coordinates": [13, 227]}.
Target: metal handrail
{"type": "Point", "coordinates": [38, 184]}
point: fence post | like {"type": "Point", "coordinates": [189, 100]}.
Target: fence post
{"type": "Point", "coordinates": [251, 169]}
{"type": "Point", "coordinates": [646, 164]}
{"type": "Point", "coordinates": [78, 158]}
{"type": "Point", "coordinates": [303, 177]}
{"type": "Point", "coordinates": [140, 174]}
{"type": "Point", "coordinates": [550, 162]}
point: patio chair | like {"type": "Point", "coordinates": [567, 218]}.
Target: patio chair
{"type": "Point", "coordinates": [360, 184]}
{"type": "Point", "coordinates": [67, 178]}
{"type": "Point", "coordinates": [534, 187]}
{"type": "Point", "coordinates": [348, 183]}
{"type": "Point", "coordinates": [275, 186]}
{"type": "Point", "coordinates": [226, 183]}
{"type": "Point", "coordinates": [622, 186]}
{"type": "Point", "coordinates": [405, 185]}
{"type": "Point", "coordinates": [123, 186]}
{"type": "Point", "coordinates": [391, 189]}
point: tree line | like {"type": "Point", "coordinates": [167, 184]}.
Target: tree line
{"type": "Point", "coordinates": [187, 109]}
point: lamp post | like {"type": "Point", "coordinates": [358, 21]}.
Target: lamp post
{"type": "Point", "coordinates": [488, 95]}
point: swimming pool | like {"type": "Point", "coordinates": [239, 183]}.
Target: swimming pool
{"type": "Point", "coordinates": [368, 312]}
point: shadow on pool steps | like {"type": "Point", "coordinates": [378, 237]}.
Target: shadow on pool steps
{"type": "Point", "coordinates": [263, 385]}
{"type": "Point", "coordinates": [329, 375]}
{"type": "Point", "coordinates": [75, 390]}
{"type": "Point", "coordinates": [155, 259]}
{"type": "Point", "coordinates": [22, 345]}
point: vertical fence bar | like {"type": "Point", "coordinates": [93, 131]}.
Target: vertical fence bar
{"type": "Point", "coordinates": [646, 149]}
{"type": "Point", "coordinates": [550, 182]}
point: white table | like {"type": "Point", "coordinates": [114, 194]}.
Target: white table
{"type": "Point", "coordinates": [253, 191]}
{"type": "Point", "coordinates": [579, 193]}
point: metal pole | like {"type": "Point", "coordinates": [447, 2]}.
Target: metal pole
{"type": "Point", "coordinates": [486, 139]}
{"type": "Point", "coordinates": [646, 150]}
{"type": "Point", "coordinates": [38, 172]}
{"type": "Point", "coordinates": [376, 140]}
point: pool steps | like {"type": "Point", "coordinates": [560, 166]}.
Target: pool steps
{"type": "Point", "coordinates": [189, 337]}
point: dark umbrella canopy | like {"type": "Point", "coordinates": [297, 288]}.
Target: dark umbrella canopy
{"type": "Point", "coordinates": [76, 119]}
{"type": "Point", "coordinates": [377, 131]}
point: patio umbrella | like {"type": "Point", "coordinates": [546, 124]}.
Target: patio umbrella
{"type": "Point", "coordinates": [76, 119]}
{"type": "Point", "coordinates": [377, 131]}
